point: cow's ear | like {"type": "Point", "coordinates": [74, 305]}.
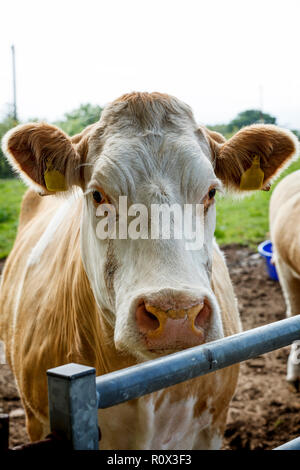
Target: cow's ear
{"type": "Point", "coordinates": [44, 156]}
{"type": "Point", "coordinates": [263, 150]}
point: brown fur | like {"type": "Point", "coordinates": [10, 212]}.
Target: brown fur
{"type": "Point", "coordinates": [275, 147]}
{"type": "Point", "coordinates": [147, 111]}
{"type": "Point", "coordinates": [284, 233]}
{"type": "Point", "coordinates": [33, 145]}
{"type": "Point", "coordinates": [284, 230]}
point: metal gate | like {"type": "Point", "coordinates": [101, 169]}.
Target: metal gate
{"type": "Point", "coordinates": [75, 393]}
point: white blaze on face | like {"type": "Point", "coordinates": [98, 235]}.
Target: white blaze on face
{"type": "Point", "coordinates": [150, 170]}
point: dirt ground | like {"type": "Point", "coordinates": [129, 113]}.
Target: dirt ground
{"type": "Point", "coordinates": [264, 412]}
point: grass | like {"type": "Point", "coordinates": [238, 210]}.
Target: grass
{"type": "Point", "coordinates": [242, 221]}
{"type": "Point", "coordinates": [246, 221]}
{"type": "Point", "coordinates": [11, 192]}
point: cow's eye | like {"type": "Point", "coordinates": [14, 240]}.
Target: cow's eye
{"type": "Point", "coordinates": [97, 196]}
{"type": "Point", "coordinates": [212, 193]}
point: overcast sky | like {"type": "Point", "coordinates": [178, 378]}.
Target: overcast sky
{"type": "Point", "coordinates": [216, 55]}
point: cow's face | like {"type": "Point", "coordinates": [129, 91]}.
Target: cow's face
{"type": "Point", "coordinates": [147, 151]}
{"type": "Point", "coordinates": [156, 291]}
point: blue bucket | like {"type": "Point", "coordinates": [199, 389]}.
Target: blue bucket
{"type": "Point", "coordinates": [265, 250]}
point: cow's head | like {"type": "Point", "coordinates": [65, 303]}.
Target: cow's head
{"type": "Point", "coordinates": [155, 293]}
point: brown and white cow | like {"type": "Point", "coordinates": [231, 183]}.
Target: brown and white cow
{"type": "Point", "coordinates": [284, 230]}
{"type": "Point", "coordinates": [67, 296]}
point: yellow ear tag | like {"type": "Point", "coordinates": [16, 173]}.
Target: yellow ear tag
{"type": "Point", "coordinates": [54, 179]}
{"type": "Point", "coordinates": [253, 177]}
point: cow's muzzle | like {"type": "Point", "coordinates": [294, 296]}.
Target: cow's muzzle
{"type": "Point", "coordinates": [173, 329]}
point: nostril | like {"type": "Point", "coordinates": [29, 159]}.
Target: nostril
{"type": "Point", "coordinates": [203, 316]}
{"type": "Point", "coordinates": [152, 320]}
{"type": "Point", "coordinates": [146, 320]}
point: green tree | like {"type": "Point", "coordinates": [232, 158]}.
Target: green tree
{"type": "Point", "coordinates": [76, 120]}
{"type": "Point", "coordinates": [296, 132]}
{"type": "Point", "coordinates": [244, 118]}
{"type": "Point", "coordinates": [250, 116]}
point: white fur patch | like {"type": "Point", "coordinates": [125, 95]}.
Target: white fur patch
{"type": "Point", "coordinates": [47, 237]}
{"type": "Point", "coordinates": [36, 254]}
{"type": "Point", "coordinates": [216, 442]}
{"type": "Point", "coordinates": [293, 364]}
{"type": "Point", "coordinates": [11, 159]}
{"type": "Point", "coordinates": [172, 426]}
{"type": "Point", "coordinates": [2, 353]}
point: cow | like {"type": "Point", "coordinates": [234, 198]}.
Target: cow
{"type": "Point", "coordinates": [284, 215]}
{"type": "Point", "coordinates": [68, 295]}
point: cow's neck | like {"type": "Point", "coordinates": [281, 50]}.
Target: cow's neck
{"type": "Point", "coordinates": [96, 334]}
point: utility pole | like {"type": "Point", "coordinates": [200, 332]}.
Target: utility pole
{"type": "Point", "coordinates": [261, 95]}
{"type": "Point", "coordinates": [14, 82]}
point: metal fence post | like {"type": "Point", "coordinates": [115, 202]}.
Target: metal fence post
{"type": "Point", "coordinates": [73, 405]}
{"type": "Point", "coordinates": [4, 431]}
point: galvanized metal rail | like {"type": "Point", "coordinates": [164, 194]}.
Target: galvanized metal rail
{"type": "Point", "coordinates": [75, 393]}
{"type": "Point", "coordinates": [291, 445]}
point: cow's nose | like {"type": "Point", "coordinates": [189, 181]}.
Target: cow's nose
{"type": "Point", "coordinates": [172, 329]}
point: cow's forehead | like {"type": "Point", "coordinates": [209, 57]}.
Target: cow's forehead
{"type": "Point", "coordinates": [126, 164]}
{"type": "Point", "coordinates": [148, 137]}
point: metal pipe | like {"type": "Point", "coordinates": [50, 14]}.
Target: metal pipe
{"type": "Point", "coordinates": [291, 445]}
{"type": "Point", "coordinates": [133, 382]}
{"type": "Point", "coordinates": [14, 82]}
